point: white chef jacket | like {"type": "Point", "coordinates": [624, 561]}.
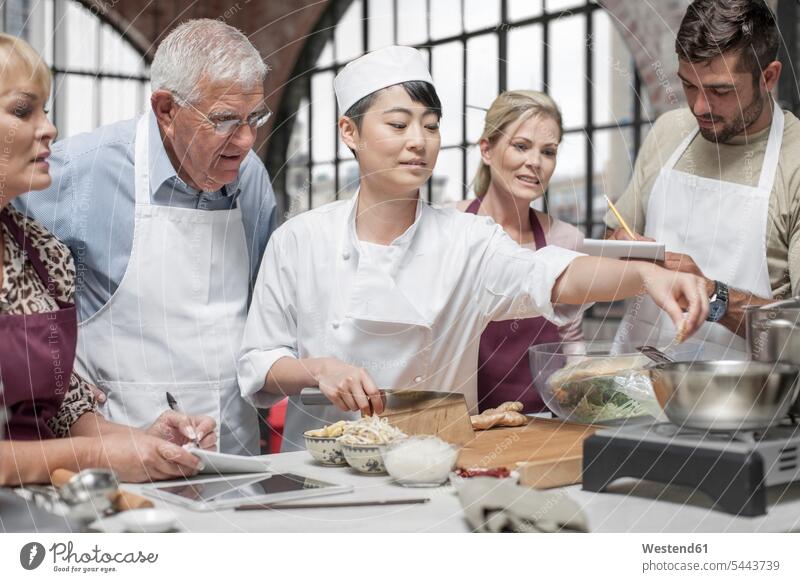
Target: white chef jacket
{"type": "Point", "coordinates": [410, 313]}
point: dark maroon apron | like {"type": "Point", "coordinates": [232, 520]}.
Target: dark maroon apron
{"type": "Point", "coordinates": [37, 352]}
{"type": "Point", "coordinates": [504, 374]}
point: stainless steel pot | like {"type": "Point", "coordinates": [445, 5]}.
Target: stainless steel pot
{"type": "Point", "coordinates": [725, 394]}
{"type": "Point", "coordinates": [773, 335]}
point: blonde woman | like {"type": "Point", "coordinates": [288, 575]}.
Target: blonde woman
{"type": "Point", "coordinates": [50, 418]}
{"type": "Point", "coordinates": [518, 150]}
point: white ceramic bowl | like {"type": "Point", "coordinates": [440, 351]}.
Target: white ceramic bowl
{"type": "Point", "coordinates": [325, 450]}
{"type": "Point", "coordinates": [148, 520]}
{"type": "Point", "coordinates": [365, 458]}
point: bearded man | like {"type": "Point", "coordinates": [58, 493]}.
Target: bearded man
{"type": "Point", "coordinates": [718, 181]}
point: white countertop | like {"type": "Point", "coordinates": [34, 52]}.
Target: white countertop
{"type": "Point", "coordinates": [632, 507]}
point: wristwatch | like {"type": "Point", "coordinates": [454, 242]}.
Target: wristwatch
{"type": "Point", "coordinates": [718, 302]}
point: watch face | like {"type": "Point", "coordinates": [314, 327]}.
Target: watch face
{"type": "Point", "coordinates": [716, 310]}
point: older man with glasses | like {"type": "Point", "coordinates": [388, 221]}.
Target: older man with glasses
{"type": "Point", "coordinates": [168, 216]}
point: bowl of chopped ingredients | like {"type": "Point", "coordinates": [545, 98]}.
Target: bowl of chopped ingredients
{"type": "Point", "coordinates": [363, 442]}
{"type": "Point", "coordinates": [591, 382]}
{"type": "Point", "coordinates": [323, 443]}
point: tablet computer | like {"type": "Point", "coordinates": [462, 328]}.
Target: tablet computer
{"type": "Point", "coordinates": [228, 492]}
{"type": "Point", "coordinates": [624, 249]}
{"type": "Point", "coordinates": [215, 463]}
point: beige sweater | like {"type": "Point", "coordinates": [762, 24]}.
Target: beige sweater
{"type": "Point", "coordinates": [740, 162]}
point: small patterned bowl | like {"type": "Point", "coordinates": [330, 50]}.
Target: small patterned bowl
{"type": "Point", "coordinates": [365, 458]}
{"type": "Point", "coordinates": [325, 450]}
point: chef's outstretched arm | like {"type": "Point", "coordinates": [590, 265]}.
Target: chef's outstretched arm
{"type": "Point", "coordinates": [738, 300]}
{"type": "Point", "coordinates": [588, 279]}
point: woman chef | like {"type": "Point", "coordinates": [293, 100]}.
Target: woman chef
{"type": "Point", "coordinates": [384, 291]}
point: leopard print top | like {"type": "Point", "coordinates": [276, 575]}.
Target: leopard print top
{"type": "Point", "coordinates": [23, 292]}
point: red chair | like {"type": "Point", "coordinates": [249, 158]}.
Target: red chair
{"type": "Point", "coordinates": [276, 420]}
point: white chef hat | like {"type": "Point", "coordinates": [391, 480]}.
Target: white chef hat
{"type": "Point", "coordinates": [377, 70]}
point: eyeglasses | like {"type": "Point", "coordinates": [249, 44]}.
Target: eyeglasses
{"type": "Point", "coordinates": [232, 124]}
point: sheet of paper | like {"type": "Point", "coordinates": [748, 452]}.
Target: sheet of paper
{"type": "Point", "coordinates": [623, 249]}
{"type": "Point", "coordinates": [222, 463]}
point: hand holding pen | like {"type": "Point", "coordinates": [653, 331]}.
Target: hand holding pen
{"type": "Point", "coordinates": [189, 431]}
{"type": "Point", "coordinates": [176, 427]}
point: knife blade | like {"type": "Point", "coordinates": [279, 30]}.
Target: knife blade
{"type": "Point", "coordinates": [391, 398]}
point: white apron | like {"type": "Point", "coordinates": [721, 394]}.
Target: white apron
{"type": "Point", "coordinates": [175, 323]}
{"type": "Point", "coordinates": [723, 227]}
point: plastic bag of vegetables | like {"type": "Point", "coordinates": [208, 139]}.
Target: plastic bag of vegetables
{"type": "Point", "coordinates": [599, 390]}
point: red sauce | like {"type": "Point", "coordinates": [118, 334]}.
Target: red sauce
{"type": "Point", "coordinates": [498, 472]}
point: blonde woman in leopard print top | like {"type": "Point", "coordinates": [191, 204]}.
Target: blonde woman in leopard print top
{"type": "Point", "coordinates": [37, 285]}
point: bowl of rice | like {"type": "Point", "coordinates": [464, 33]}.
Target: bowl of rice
{"type": "Point", "coordinates": [420, 461]}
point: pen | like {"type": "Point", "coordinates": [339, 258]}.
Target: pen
{"type": "Point", "coordinates": [173, 404]}
{"type": "Point", "coordinates": [368, 503]}
{"type": "Point", "coordinates": [619, 217]}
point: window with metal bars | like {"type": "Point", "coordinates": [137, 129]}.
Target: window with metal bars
{"type": "Point", "coordinates": [476, 48]}
{"type": "Point", "coordinates": [98, 76]}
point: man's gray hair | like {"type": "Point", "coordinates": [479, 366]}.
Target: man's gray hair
{"type": "Point", "coordinates": [205, 49]}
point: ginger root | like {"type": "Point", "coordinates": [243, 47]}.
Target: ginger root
{"type": "Point", "coordinates": [507, 414]}
{"type": "Point", "coordinates": [505, 407]}
{"type": "Point", "coordinates": [681, 335]}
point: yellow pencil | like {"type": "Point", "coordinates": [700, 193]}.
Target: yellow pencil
{"type": "Point", "coordinates": [619, 217]}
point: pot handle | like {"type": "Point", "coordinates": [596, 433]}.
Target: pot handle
{"type": "Point", "coordinates": [655, 354]}
{"type": "Point", "coordinates": [792, 301]}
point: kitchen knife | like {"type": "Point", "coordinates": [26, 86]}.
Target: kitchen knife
{"type": "Point", "coordinates": [392, 398]}
{"type": "Point", "coordinates": [417, 412]}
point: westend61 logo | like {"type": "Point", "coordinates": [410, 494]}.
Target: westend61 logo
{"type": "Point", "coordinates": [66, 559]}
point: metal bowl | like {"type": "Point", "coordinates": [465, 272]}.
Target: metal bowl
{"type": "Point", "coordinates": [725, 395]}
{"type": "Point", "coordinates": [773, 335]}
{"type": "Point", "coordinates": [90, 493]}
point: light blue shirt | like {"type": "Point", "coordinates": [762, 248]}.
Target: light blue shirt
{"type": "Point", "coordinates": [90, 204]}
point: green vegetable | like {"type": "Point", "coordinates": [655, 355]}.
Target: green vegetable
{"type": "Point", "coordinates": [598, 398]}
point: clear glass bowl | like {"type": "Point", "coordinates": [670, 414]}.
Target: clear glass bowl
{"type": "Point", "coordinates": [594, 382]}
{"type": "Point", "coordinates": [420, 461]}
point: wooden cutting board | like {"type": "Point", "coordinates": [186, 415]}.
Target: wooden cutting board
{"type": "Point", "coordinates": [547, 453]}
